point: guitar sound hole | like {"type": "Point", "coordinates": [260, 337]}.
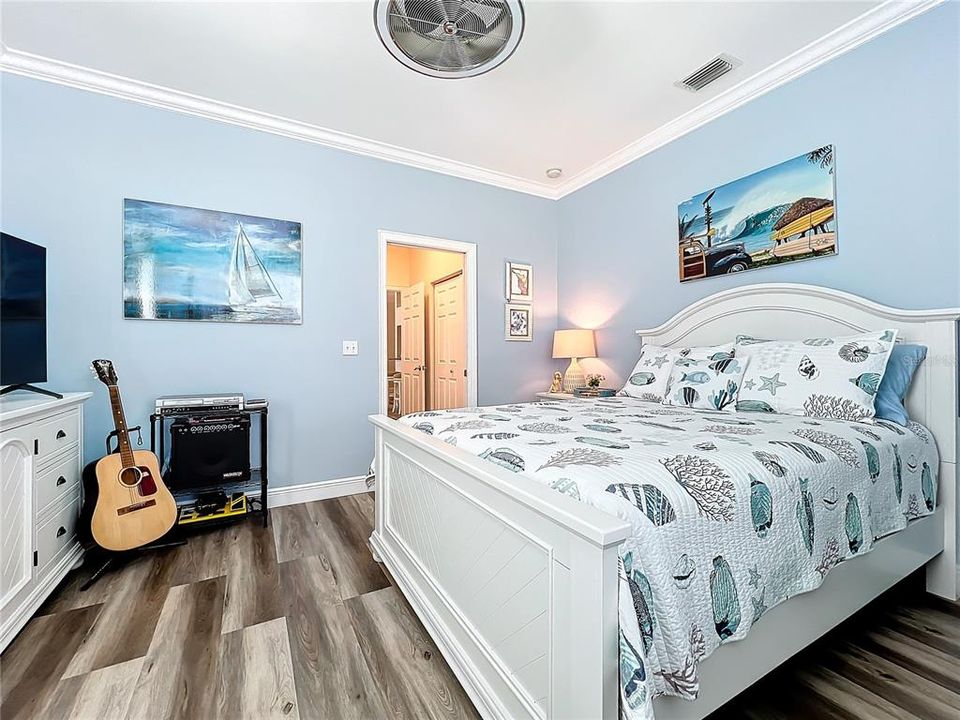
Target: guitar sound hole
{"type": "Point", "coordinates": [130, 476]}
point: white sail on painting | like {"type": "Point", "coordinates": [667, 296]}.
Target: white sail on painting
{"type": "Point", "coordinates": [185, 263]}
{"type": "Point", "coordinates": [249, 281]}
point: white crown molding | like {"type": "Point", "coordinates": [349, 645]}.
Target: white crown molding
{"type": "Point", "coordinates": [38, 67]}
{"type": "Point", "coordinates": [874, 22]}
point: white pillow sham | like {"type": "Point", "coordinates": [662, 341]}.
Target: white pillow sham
{"type": "Point", "coordinates": [831, 378]}
{"type": "Point", "coordinates": [706, 384]}
{"type": "Point", "coordinates": [651, 375]}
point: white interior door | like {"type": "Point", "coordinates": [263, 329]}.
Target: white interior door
{"type": "Point", "coordinates": [450, 344]}
{"type": "Point", "coordinates": [412, 363]}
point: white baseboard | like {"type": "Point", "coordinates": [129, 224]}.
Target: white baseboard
{"type": "Point", "coordinates": [322, 490]}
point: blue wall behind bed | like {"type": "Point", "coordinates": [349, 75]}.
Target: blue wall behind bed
{"type": "Point", "coordinates": [70, 157]}
{"type": "Point", "coordinates": [891, 109]}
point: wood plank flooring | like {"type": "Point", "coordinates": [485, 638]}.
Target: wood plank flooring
{"type": "Point", "coordinates": [296, 621]}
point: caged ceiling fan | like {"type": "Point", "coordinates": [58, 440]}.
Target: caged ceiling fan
{"type": "Point", "coordinates": [452, 38]}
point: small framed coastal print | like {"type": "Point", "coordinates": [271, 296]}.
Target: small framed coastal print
{"type": "Point", "coordinates": [779, 215]}
{"type": "Point", "coordinates": [519, 282]}
{"type": "Point", "coordinates": [519, 322]}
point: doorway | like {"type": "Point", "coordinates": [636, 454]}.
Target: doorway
{"type": "Point", "coordinates": [428, 324]}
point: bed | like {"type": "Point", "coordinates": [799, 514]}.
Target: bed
{"type": "Point", "coordinates": [518, 580]}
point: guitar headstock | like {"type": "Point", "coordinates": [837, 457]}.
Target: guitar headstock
{"type": "Point", "coordinates": [104, 372]}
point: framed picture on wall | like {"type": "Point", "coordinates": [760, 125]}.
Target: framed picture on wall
{"type": "Point", "coordinates": [184, 263]}
{"type": "Point", "coordinates": [519, 322]}
{"type": "Point", "coordinates": [519, 282]}
{"type": "Point", "coordinates": [779, 215]}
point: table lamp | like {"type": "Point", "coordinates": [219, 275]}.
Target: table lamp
{"type": "Point", "coordinates": [573, 344]}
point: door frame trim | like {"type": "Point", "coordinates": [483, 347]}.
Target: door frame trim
{"type": "Point", "coordinates": [469, 251]}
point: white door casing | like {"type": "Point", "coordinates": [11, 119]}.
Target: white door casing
{"type": "Point", "coordinates": [469, 251]}
{"type": "Point", "coordinates": [449, 343]}
{"type": "Point", "coordinates": [412, 364]}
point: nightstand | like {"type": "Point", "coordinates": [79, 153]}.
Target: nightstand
{"type": "Point", "coordinates": [555, 396]}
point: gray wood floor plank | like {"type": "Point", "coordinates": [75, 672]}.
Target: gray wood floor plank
{"type": "Point", "coordinates": [256, 674]}
{"type": "Point", "coordinates": [344, 531]}
{"type": "Point", "coordinates": [103, 694]}
{"type": "Point", "coordinates": [849, 697]}
{"type": "Point", "coordinates": [295, 533]}
{"type": "Point", "coordinates": [926, 661]}
{"type": "Point", "coordinates": [35, 662]}
{"type": "Point", "coordinates": [253, 592]}
{"type": "Point", "coordinates": [332, 676]}
{"type": "Point", "coordinates": [124, 627]}
{"type": "Point", "coordinates": [179, 675]}
{"type": "Point", "coordinates": [414, 679]}
{"type": "Point", "coordinates": [900, 686]}
{"type": "Point", "coordinates": [200, 559]}
{"type": "Point", "coordinates": [69, 596]}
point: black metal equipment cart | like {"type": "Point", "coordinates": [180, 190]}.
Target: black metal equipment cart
{"type": "Point", "coordinates": [158, 432]}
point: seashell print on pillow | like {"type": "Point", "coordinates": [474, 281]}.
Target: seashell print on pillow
{"type": "Point", "coordinates": [829, 378]}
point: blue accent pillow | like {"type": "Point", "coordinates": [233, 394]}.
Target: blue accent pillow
{"type": "Point", "coordinates": [903, 362]}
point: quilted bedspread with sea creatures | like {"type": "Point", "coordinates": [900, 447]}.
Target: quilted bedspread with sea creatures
{"type": "Point", "coordinates": [731, 513]}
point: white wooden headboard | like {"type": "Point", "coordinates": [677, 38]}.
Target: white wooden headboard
{"type": "Point", "coordinates": [791, 311]}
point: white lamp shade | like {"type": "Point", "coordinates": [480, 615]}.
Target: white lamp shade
{"type": "Point", "coordinates": [575, 343]}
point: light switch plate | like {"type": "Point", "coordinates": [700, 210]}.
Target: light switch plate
{"type": "Point", "coordinates": [350, 347]}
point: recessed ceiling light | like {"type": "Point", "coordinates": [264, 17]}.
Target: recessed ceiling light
{"type": "Point", "coordinates": [554, 173]}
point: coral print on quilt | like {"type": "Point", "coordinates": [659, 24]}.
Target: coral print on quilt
{"type": "Point", "coordinates": [730, 513]}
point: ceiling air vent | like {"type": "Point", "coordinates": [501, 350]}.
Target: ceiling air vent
{"type": "Point", "coordinates": [716, 68]}
{"type": "Point", "coordinates": [450, 38]}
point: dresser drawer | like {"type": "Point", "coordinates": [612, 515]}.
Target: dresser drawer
{"type": "Point", "coordinates": [57, 481]}
{"type": "Point", "coordinates": [58, 531]}
{"type": "Point", "coordinates": [58, 432]}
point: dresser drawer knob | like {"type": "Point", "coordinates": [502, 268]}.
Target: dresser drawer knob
{"type": "Point", "coordinates": [61, 531]}
{"type": "Point", "coordinates": [61, 481]}
{"type": "Point", "coordinates": [61, 434]}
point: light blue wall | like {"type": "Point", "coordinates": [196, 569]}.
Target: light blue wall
{"type": "Point", "coordinates": [891, 109]}
{"type": "Point", "coordinates": [70, 157]}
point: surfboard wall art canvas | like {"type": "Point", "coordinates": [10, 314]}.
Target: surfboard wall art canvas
{"type": "Point", "coordinates": [183, 263]}
{"type": "Point", "coordinates": [779, 215]}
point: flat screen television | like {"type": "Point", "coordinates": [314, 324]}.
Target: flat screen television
{"type": "Point", "coordinates": [23, 314]}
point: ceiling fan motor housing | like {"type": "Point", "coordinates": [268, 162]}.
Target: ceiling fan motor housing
{"type": "Point", "coordinates": [452, 38]}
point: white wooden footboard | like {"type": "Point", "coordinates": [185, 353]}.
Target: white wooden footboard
{"type": "Point", "coordinates": [516, 583]}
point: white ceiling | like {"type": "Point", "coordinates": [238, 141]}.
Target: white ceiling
{"type": "Point", "coordinates": [588, 78]}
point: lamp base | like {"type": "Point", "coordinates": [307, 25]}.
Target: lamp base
{"type": "Point", "coordinates": [573, 377]}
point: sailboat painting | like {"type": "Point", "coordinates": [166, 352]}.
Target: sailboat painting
{"type": "Point", "coordinates": [779, 215]}
{"type": "Point", "coordinates": [183, 263]}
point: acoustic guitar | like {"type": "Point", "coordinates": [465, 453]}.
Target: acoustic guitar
{"type": "Point", "coordinates": [132, 507]}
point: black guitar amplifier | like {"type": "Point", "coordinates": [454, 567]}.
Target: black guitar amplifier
{"type": "Point", "coordinates": [208, 451]}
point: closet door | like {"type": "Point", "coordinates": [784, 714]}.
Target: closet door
{"type": "Point", "coordinates": [412, 363]}
{"type": "Point", "coordinates": [16, 489]}
{"type": "Point", "coordinates": [450, 345]}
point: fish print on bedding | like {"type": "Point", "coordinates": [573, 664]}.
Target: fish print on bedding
{"type": "Point", "coordinates": [731, 513]}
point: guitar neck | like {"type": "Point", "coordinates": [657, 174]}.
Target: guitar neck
{"type": "Point", "coordinates": [120, 423]}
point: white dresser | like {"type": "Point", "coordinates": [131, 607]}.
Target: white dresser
{"type": "Point", "coordinates": [41, 456]}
